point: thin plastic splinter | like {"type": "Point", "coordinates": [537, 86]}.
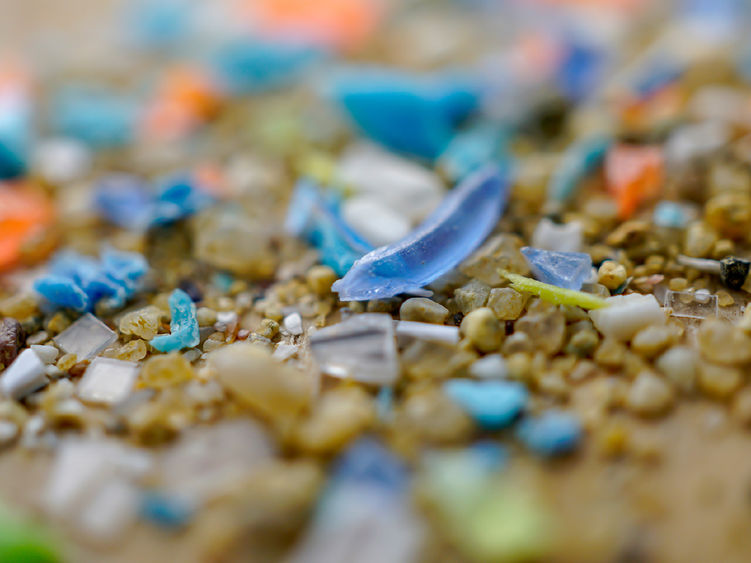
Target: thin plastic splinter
{"type": "Point", "coordinates": [554, 294]}
{"type": "Point", "coordinates": [462, 221]}
{"type": "Point", "coordinates": [183, 327]}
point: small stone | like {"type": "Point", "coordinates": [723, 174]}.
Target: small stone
{"type": "Point", "coordinates": [24, 376]}
{"type": "Point", "coordinates": [492, 366]}
{"type": "Point", "coordinates": [678, 284]}
{"type": "Point", "coordinates": [517, 343]}
{"type": "Point", "coordinates": [611, 274]}
{"type": "Point", "coordinates": [583, 343]}
{"type": "Point", "coordinates": [471, 296]}
{"type": "Point", "coordinates": [652, 340]}
{"type": "Point", "coordinates": [568, 270]}
{"type": "Point", "coordinates": [507, 303]}
{"type": "Point", "coordinates": [625, 315]}
{"type": "Point", "coordinates": [554, 433]}
{"type": "Point", "coordinates": [492, 404]}
{"type": "Point", "coordinates": [499, 252]}
{"type": "Point", "coordinates": [424, 310]}
{"type": "Point", "coordinates": [649, 395]}
{"type": "Point", "coordinates": [58, 323]}
{"type": "Point", "coordinates": [143, 323]}
{"type": "Point", "coordinates": [11, 340]}
{"type": "Point", "coordinates": [37, 338]}
{"type": "Point", "coordinates": [433, 417]}
{"type": "Point", "coordinates": [160, 372]}
{"type": "Point", "coordinates": [66, 362]}
{"type": "Point", "coordinates": [565, 237]}
{"type": "Point", "coordinates": [699, 240]}
{"type": "Point", "coordinates": [133, 351]}
{"type": "Point", "coordinates": [19, 306]}
{"type": "Point", "coordinates": [320, 278]}
{"type": "Point", "coordinates": [204, 316]}
{"type": "Point", "coordinates": [741, 407]}
{"type": "Point", "coordinates": [722, 343]}
{"type": "Point", "coordinates": [293, 324]}
{"type": "Point", "coordinates": [269, 328]}
{"type": "Point", "coordinates": [546, 326]}
{"type": "Point", "coordinates": [611, 353]}
{"type": "Point", "coordinates": [729, 213]}
{"type": "Point", "coordinates": [678, 364]}
{"type": "Point", "coordinates": [274, 390]}
{"type": "Point", "coordinates": [719, 382]}
{"type": "Point", "coordinates": [724, 299]}
{"type": "Point", "coordinates": [483, 330]}
{"type": "Point", "coordinates": [48, 354]}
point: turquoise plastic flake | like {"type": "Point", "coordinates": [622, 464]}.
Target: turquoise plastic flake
{"type": "Point", "coordinates": [183, 327]}
{"type": "Point", "coordinates": [492, 404]}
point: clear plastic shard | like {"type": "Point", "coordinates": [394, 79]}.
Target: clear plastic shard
{"type": "Point", "coordinates": [107, 381]}
{"type": "Point", "coordinates": [690, 305]}
{"type": "Point", "coordinates": [361, 347]}
{"type": "Point", "coordinates": [86, 337]}
{"type": "Point", "coordinates": [25, 375]}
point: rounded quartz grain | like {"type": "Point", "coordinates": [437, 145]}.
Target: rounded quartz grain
{"type": "Point", "coordinates": [143, 323]}
{"type": "Point", "coordinates": [729, 213]}
{"type": "Point", "coordinates": [320, 279]}
{"type": "Point", "coordinates": [507, 303]}
{"type": "Point", "coordinates": [545, 325]}
{"type": "Point", "coordinates": [483, 330]}
{"type": "Point", "coordinates": [718, 381]}
{"type": "Point", "coordinates": [611, 274]}
{"type": "Point", "coordinates": [517, 343]}
{"type": "Point", "coordinates": [164, 371]}
{"type": "Point", "coordinates": [434, 417]}
{"type": "Point", "coordinates": [651, 341]}
{"type": "Point", "coordinates": [583, 343]}
{"type": "Point", "coordinates": [722, 343]}
{"type": "Point", "coordinates": [471, 296]}
{"type": "Point", "coordinates": [699, 240]}
{"type": "Point", "coordinates": [678, 365]}
{"type": "Point", "coordinates": [205, 316]}
{"type": "Point", "coordinates": [423, 310]}
{"type": "Point", "coordinates": [649, 395]}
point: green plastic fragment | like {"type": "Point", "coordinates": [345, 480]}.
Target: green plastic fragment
{"type": "Point", "coordinates": [554, 294]}
{"type": "Point", "coordinates": [22, 541]}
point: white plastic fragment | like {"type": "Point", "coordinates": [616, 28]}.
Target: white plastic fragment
{"type": "Point", "coordinates": [293, 324]}
{"type": "Point", "coordinates": [362, 347]}
{"type": "Point", "coordinates": [427, 331]}
{"type": "Point", "coordinates": [47, 354]}
{"type": "Point", "coordinates": [285, 351]}
{"type": "Point", "coordinates": [24, 376]}
{"type": "Point", "coordinates": [559, 238]}
{"type": "Point", "coordinates": [107, 381]}
{"type": "Point", "coordinates": [374, 221]}
{"type": "Point", "coordinates": [492, 366]}
{"type": "Point", "coordinates": [625, 315]}
{"type": "Point", "coordinates": [86, 337]}
{"type": "Point", "coordinates": [61, 160]}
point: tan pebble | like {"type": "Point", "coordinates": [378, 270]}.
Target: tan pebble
{"type": "Point", "coordinates": [678, 365]}
{"type": "Point", "coordinates": [133, 351]}
{"type": "Point", "coordinates": [722, 248]}
{"type": "Point", "coordinates": [389, 306]}
{"type": "Point", "coordinates": [583, 370]}
{"type": "Point", "coordinates": [553, 383]}
{"type": "Point", "coordinates": [164, 371]}
{"type": "Point", "coordinates": [678, 284]}
{"type": "Point", "coordinates": [506, 303]}
{"type": "Point", "coordinates": [649, 395]}
{"type": "Point", "coordinates": [213, 342]}
{"type": "Point", "coordinates": [339, 416]}
{"type": "Point", "coordinates": [724, 299]}
{"type": "Point", "coordinates": [723, 343]}
{"type": "Point", "coordinates": [499, 252]}
{"type": "Point", "coordinates": [66, 362]}
{"type": "Point", "coordinates": [741, 407]}
{"type": "Point", "coordinates": [611, 353]}
{"type": "Point", "coordinates": [719, 382]}
{"type": "Point", "coordinates": [205, 316]}
{"type": "Point", "coordinates": [423, 310]}
{"type": "Point", "coordinates": [471, 296]}
{"type": "Point", "coordinates": [434, 417]}
{"type": "Point", "coordinates": [19, 306]}
{"type": "Point", "coordinates": [546, 327]}
{"type": "Point", "coordinates": [269, 328]}
{"type": "Point", "coordinates": [516, 343]}
{"type": "Point", "coordinates": [320, 278]}
{"type": "Point", "coordinates": [143, 323]}
{"type": "Point", "coordinates": [611, 274]}
{"type": "Point", "coordinates": [729, 213]}
{"type": "Point", "coordinates": [654, 264]}
{"type": "Point", "coordinates": [612, 440]}
{"type": "Point", "coordinates": [519, 366]}
{"type": "Point", "coordinates": [58, 323]}
{"type": "Point", "coordinates": [652, 340]}
{"type": "Point", "coordinates": [583, 343]}
{"type": "Point", "coordinates": [483, 329]}
{"type": "Point", "coordinates": [699, 240]}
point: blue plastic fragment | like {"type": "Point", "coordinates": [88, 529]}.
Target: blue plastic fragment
{"type": "Point", "coordinates": [15, 138]}
{"type": "Point", "coordinates": [177, 198]}
{"type": "Point", "coordinates": [125, 200]}
{"type": "Point", "coordinates": [471, 149]}
{"type": "Point", "coordinates": [183, 326]}
{"type": "Point", "coordinates": [465, 217]}
{"type": "Point", "coordinates": [492, 404]}
{"type": "Point", "coordinates": [248, 66]}
{"type": "Point", "coordinates": [657, 73]}
{"type": "Point", "coordinates": [564, 269]}
{"type": "Point", "coordinates": [553, 433]}
{"type": "Point", "coordinates": [79, 282]}
{"type": "Point", "coordinates": [166, 511]}
{"type": "Point", "coordinates": [99, 117]}
{"type": "Point", "coordinates": [315, 219]}
{"type": "Point", "coordinates": [670, 214]}
{"type": "Point", "coordinates": [580, 71]}
{"type": "Point", "coordinates": [579, 160]}
{"type": "Point", "coordinates": [158, 24]}
{"type": "Point", "coordinates": [413, 114]}
{"type": "Point", "coordinates": [367, 461]}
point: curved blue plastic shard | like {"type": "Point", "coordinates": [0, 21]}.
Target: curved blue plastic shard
{"type": "Point", "coordinates": [62, 291]}
{"type": "Point", "coordinates": [183, 326]}
{"type": "Point", "coordinates": [465, 217]}
{"type": "Point", "coordinates": [553, 433]}
{"type": "Point", "coordinates": [563, 269]}
{"type": "Point", "coordinates": [579, 160]}
{"type": "Point", "coordinates": [310, 216]}
{"type": "Point", "coordinates": [492, 404]}
{"type": "Point", "coordinates": [413, 114]}
{"type": "Point", "coordinates": [178, 197]}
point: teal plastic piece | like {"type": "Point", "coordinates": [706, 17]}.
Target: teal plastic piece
{"type": "Point", "coordinates": [183, 326]}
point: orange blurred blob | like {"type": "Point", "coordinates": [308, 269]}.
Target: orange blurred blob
{"type": "Point", "coordinates": [24, 214]}
{"type": "Point", "coordinates": [633, 175]}
{"type": "Point", "coordinates": [337, 23]}
{"type": "Point", "coordinates": [210, 178]}
{"type": "Point", "coordinates": [184, 100]}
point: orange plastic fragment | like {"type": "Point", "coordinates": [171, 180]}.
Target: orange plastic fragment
{"type": "Point", "coordinates": [24, 214]}
{"type": "Point", "coordinates": [338, 23]}
{"type": "Point", "coordinates": [633, 175]}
